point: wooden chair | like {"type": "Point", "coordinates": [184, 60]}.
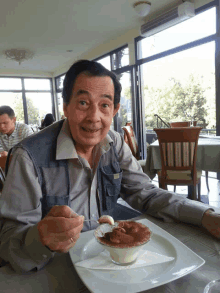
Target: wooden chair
{"type": "Point", "coordinates": [178, 149]}
{"type": "Point", "coordinates": [187, 124]}
{"type": "Point", "coordinates": [2, 170]}
{"type": "Point", "coordinates": [131, 140]}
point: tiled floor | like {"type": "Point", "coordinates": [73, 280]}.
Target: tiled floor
{"type": "Point", "coordinates": [214, 186]}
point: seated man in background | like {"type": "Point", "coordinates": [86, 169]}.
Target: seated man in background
{"type": "Point", "coordinates": [77, 169]}
{"type": "Point", "coordinates": [11, 132]}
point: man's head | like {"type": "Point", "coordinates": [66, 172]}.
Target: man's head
{"type": "Point", "coordinates": [7, 120]}
{"type": "Point", "coordinates": [91, 97]}
{"type": "Point", "coordinates": [91, 68]}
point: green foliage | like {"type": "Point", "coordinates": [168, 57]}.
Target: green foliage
{"type": "Point", "coordinates": [34, 114]}
{"type": "Point", "coordinates": [176, 102]}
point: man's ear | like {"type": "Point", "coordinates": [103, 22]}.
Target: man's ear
{"type": "Point", "coordinates": [14, 119]}
{"type": "Point", "coordinates": [65, 109]}
{"type": "Point", "coordinates": [116, 109]}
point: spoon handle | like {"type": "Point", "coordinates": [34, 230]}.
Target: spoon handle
{"type": "Point", "coordinates": [91, 220]}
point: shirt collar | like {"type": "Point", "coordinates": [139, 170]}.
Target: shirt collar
{"type": "Point", "coordinates": [65, 144]}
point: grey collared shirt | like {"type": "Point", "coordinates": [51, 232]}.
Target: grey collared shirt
{"type": "Point", "coordinates": [20, 132]}
{"type": "Point", "coordinates": [20, 204]}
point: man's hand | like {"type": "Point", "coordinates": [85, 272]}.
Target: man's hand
{"type": "Point", "coordinates": [60, 229]}
{"type": "Point", "coordinates": [211, 221]}
{"type": "Point", "coordinates": [3, 154]}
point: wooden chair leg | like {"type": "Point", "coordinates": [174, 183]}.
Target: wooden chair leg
{"type": "Point", "coordinates": [199, 190]}
{"type": "Point", "coordinates": [207, 180]}
{"type": "Point", "coordinates": [194, 195]}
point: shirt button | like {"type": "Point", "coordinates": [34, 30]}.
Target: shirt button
{"type": "Point", "coordinates": [44, 256]}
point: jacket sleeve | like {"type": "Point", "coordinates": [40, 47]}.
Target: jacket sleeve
{"type": "Point", "coordinates": [20, 211]}
{"type": "Point", "coordinates": [140, 193]}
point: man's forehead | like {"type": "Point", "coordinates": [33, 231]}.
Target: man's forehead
{"type": "Point", "coordinates": [4, 117]}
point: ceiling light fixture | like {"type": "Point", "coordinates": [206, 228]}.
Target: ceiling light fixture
{"type": "Point", "coordinates": [18, 55]}
{"type": "Point", "coordinates": [142, 8]}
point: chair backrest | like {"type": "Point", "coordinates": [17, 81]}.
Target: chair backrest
{"type": "Point", "coordinates": [130, 139]}
{"type": "Point", "coordinates": [182, 124]}
{"type": "Point", "coordinates": [3, 162]}
{"type": "Point", "coordinates": [178, 148]}
{"type": "Point", "coordinates": [2, 170]}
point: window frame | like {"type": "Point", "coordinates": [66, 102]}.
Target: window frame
{"type": "Point", "coordinates": [23, 91]}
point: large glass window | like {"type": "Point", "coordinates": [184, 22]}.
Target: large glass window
{"type": "Point", "coordinates": [116, 59]}
{"type": "Point", "coordinates": [15, 101]}
{"type": "Point", "coordinates": [195, 28]}
{"type": "Point", "coordinates": [180, 85]}
{"type": "Point", "coordinates": [59, 82]}
{"type": "Point", "coordinates": [106, 62]}
{"type": "Point", "coordinates": [120, 58]}
{"type": "Point", "coordinates": [125, 111]}
{"type": "Point", "coordinates": [60, 104]}
{"type": "Point", "coordinates": [35, 96]}
{"type": "Point", "coordinates": [10, 83]}
{"type": "Point", "coordinates": [37, 84]}
{"type": "Point", "coordinates": [38, 105]}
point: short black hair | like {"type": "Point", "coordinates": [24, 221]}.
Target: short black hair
{"type": "Point", "coordinates": [91, 68]}
{"type": "Point", "coordinates": [7, 110]}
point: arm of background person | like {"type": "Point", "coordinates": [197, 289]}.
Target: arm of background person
{"type": "Point", "coordinates": [140, 193]}
{"type": "Point", "coordinates": [20, 211]}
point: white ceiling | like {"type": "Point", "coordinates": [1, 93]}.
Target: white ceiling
{"type": "Point", "coordinates": [51, 27]}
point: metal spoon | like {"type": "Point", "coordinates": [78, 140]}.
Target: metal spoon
{"type": "Point", "coordinates": [92, 220]}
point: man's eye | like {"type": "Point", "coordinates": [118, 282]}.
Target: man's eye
{"type": "Point", "coordinates": [82, 103]}
{"type": "Point", "coordinates": [105, 105]}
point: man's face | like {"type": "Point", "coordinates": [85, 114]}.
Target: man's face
{"type": "Point", "coordinates": [7, 124]}
{"type": "Point", "coordinates": [91, 109]}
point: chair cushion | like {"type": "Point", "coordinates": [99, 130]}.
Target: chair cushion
{"type": "Point", "coordinates": [180, 175]}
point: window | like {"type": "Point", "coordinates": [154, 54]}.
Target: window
{"type": "Point", "coordinates": [15, 101]}
{"type": "Point", "coordinates": [116, 59]}
{"type": "Point", "coordinates": [59, 82]}
{"type": "Point", "coordinates": [179, 83]}
{"type": "Point", "coordinates": [106, 62]}
{"type": "Point", "coordinates": [36, 84]}
{"type": "Point", "coordinates": [30, 102]}
{"type": "Point", "coordinates": [10, 83]}
{"type": "Point", "coordinates": [195, 28]}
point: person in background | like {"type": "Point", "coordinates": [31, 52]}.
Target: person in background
{"type": "Point", "coordinates": [77, 169]}
{"type": "Point", "coordinates": [48, 120]}
{"type": "Point", "coordinates": [11, 132]}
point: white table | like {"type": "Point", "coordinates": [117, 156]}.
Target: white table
{"type": "Point", "coordinates": [208, 156]}
{"type": "Point", "coordinates": [60, 276]}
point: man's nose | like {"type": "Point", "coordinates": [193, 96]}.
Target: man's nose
{"type": "Point", "coordinates": [94, 113]}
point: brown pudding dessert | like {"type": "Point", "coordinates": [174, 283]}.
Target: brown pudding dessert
{"type": "Point", "coordinates": [127, 234]}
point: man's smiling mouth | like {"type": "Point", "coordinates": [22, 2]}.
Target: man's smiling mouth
{"type": "Point", "coordinates": [90, 130]}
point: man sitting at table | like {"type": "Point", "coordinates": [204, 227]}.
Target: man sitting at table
{"type": "Point", "coordinates": [11, 132]}
{"type": "Point", "coordinates": [75, 169]}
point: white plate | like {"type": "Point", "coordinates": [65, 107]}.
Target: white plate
{"type": "Point", "coordinates": [140, 279]}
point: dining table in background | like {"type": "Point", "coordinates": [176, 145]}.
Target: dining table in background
{"type": "Point", "coordinates": [208, 156]}
{"type": "Point", "coordinates": [59, 275]}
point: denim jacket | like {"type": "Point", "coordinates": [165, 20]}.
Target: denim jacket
{"type": "Point", "coordinates": [41, 148]}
